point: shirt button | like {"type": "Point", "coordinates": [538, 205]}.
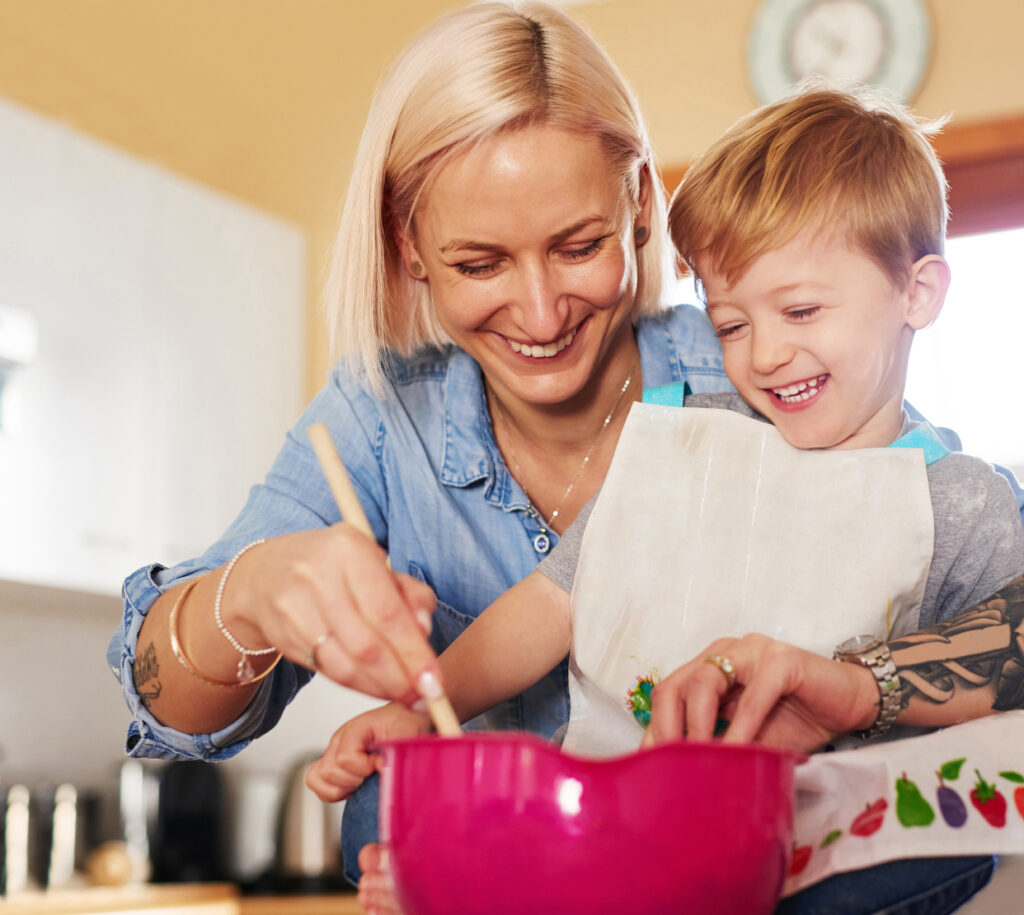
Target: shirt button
{"type": "Point", "coordinates": [542, 543]}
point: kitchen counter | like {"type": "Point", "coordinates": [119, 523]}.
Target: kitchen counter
{"type": "Point", "coordinates": [186, 899]}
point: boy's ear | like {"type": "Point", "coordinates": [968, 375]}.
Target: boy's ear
{"type": "Point", "coordinates": [926, 290]}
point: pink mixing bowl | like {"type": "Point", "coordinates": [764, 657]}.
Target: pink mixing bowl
{"type": "Point", "coordinates": [497, 824]}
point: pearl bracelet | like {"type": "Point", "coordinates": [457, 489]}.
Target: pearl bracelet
{"type": "Point", "coordinates": [245, 668]}
{"type": "Point", "coordinates": [183, 659]}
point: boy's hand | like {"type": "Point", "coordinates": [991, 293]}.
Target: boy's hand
{"type": "Point", "coordinates": [351, 755]}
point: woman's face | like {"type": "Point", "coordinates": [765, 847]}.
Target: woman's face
{"type": "Point", "coordinates": [528, 246]}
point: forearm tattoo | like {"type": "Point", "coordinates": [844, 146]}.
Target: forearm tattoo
{"type": "Point", "coordinates": [145, 672]}
{"type": "Point", "coordinates": [982, 648]}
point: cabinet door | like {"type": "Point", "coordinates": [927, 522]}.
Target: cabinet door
{"type": "Point", "coordinates": [170, 357]}
{"type": "Point", "coordinates": [228, 304]}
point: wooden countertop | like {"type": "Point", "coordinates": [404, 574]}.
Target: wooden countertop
{"type": "Point", "coordinates": [185, 899]}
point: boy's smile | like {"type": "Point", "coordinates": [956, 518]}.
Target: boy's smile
{"type": "Point", "coordinates": [816, 337]}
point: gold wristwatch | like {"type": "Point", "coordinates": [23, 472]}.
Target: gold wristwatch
{"type": "Point", "coordinates": [873, 653]}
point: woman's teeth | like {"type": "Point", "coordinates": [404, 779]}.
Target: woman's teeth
{"type": "Point", "coordinates": [802, 390]}
{"type": "Point", "coordinates": [542, 352]}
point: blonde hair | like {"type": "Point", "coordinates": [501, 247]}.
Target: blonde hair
{"type": "Point", "coordinates": [822, 155]}
{"type": "Point", "coordinates": [478, 71]}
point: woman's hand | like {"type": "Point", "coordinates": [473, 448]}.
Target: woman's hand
{"type": "Point", "coordinates": [783, 696]}
{"type": "Point", "coordinates": [350, 757]}
{"type": "Point", "coordinates": [328, 600]}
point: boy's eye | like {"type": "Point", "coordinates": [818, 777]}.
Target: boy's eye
{"type": "Point", "coordinates": [804, 312]}
{"type": "Point", "coordinates": [727, 330]}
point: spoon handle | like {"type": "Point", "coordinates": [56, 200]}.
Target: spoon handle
{"type": "Point", "coordinates": [446, 723]}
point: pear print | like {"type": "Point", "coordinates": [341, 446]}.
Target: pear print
{"type": "Point", "coordinates": [911, 807]}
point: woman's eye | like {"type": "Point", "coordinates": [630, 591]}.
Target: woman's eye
{"type": "Point", "coordinates": [586, 250]}
{"type": "Point", "coordinates": [477, 269]}
{"type": "Point", "coordinates": [727, 330]}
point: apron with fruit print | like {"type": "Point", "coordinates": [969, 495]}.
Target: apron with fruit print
{"type": "Point", "coordinates": [710, 524]}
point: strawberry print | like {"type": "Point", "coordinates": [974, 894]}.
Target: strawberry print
{"type": "Point", "coordinates": [989, 801]}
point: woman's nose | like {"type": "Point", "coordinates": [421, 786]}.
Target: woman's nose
{"type": "Point", "coordinates": [542, 305]}
{"type": "Point", "coordinates": [770, 349]}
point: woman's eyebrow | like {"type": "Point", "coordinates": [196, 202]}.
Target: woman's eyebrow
{"type": "Point", "coordinates": [463, 244]}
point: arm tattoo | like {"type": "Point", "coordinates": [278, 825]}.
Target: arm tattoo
{"type": "Point", "coordinates": [145, 671]}
{"type": "Point", "coordinates": [981, 648]}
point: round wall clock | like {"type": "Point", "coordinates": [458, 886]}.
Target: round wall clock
{"type": "Point", "coordinates": [883, 43]}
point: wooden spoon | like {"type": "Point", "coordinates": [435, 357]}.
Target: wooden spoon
{"type": "Point", "coordinates": [441, 712]}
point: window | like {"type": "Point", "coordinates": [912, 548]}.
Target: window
{"type": "Point", "coordinates": [964, 371]}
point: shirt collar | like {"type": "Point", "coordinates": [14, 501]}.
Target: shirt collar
{"type": "Point", "coordinates": [470, 452]}
{"type": "Point", "coordinates": [469, 448]}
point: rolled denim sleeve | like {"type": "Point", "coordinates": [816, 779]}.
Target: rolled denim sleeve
{"type": "Point", "coordinates": [147, 736]}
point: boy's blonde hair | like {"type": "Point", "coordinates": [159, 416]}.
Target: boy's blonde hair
{"type": "Point", "coordinates": [478, 71]}
{"type": "Point", "coordinates": [822, 156]}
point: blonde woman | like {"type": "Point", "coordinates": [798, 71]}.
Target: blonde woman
{"type": "Point", "coordinates": [496, 304]}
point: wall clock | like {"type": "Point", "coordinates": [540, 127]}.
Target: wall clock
{"type": "Point", "coordinates": [883, 43]}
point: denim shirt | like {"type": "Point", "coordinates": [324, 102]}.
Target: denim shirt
{"type": "Point", "coordinates": [439, 498]}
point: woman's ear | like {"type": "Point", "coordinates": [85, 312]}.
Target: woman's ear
{"type": "Point", "coordinates": [642, 222]}
{"type": "Point", "coordinates": [411, 259]}
{"type": "Point", "coordinates": [926, 290]}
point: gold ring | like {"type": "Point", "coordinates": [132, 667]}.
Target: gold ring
{"type": "Point", "coordinates": [311, 661]}
{"type": "Point", "coordinates": [724, 665]}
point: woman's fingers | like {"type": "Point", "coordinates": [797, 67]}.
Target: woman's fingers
{"type": "Point", "coordinates": [380, 624]}
{"type": "Point", "coordinates": [329, 601]}
{"type": "Point", "coordinates": [686, 703]}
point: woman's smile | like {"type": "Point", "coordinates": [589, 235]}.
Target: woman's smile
{"type": "Point", "coordinates": [542, 350]}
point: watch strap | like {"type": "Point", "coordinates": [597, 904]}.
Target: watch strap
{"type": "Point", "coordinates": [878, 660]}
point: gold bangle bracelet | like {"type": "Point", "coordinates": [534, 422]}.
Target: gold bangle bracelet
{"type": "Point", "coordinates": [179, 649]}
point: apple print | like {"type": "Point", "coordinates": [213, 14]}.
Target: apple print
{"type": "Point", "coordinates": [801, 855]}
{"type": "Point", "coordinates": [1018, 793]}
{"type": "Point", "coordinates": [869, 820]}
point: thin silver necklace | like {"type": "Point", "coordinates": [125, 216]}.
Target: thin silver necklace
{"type": "Point", "coordinates": [541, 542]}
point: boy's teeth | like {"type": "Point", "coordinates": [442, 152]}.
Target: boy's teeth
{"type": "Point", "coordinates": [802, 390]}
{"type": "Point", "coordinates": [542, 352]}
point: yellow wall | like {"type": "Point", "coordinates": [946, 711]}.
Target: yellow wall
{"type": "Point", "coordinates": [264, 99]}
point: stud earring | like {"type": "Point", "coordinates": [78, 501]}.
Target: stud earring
{"type": "Point", "coordinates": [640, 234]}
{"type": "Point", "coordinates": [417, 269]}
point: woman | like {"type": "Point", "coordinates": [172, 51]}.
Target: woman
{"type": "Point", "coordinates": [496, 303]}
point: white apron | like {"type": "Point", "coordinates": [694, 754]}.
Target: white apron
{"type": "Point", "coordinates": [708, 525]}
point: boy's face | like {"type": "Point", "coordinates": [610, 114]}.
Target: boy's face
{"type": "Point", "coordinates": [816, 338]}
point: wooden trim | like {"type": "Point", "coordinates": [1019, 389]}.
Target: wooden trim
{"type": "Point", "coordinates": [984, 164]}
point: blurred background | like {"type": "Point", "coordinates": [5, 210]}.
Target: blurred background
{"type": "Point", "coordinates": [170, 175]}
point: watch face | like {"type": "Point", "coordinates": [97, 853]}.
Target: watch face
{"type": "Point", "coordinates": [860, 643]}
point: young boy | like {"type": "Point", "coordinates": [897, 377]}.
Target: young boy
{"type": "Point", "coordinates": [815, 229]}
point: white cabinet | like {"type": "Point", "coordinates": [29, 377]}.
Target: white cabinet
{"type": "Point", "coordinates": [170, 362]}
